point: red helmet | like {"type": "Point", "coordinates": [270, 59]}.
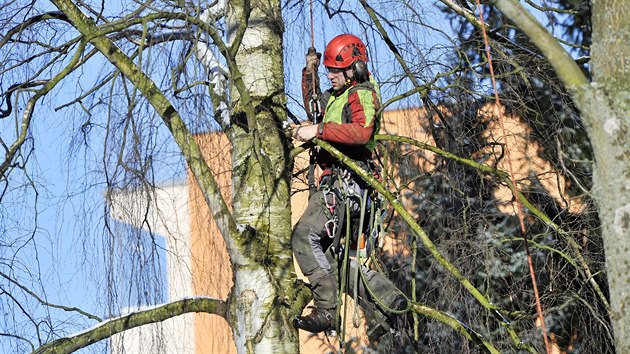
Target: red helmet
{"type": "Point", "coordinates": [344, 50]}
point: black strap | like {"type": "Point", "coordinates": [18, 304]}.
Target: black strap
{"type": "Point", "coordinates": [312, 188]}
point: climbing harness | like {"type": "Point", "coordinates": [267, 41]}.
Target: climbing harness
{"type": "Point", "coordinates": [341, 188]}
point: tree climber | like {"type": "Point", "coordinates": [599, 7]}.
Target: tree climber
{"type": "Point", "coordinates": [349, 123]}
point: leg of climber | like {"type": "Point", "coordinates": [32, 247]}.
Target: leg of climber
{"type": "Point", "coordinates": [322, 315]}
{"type": "Point", "coordinates": [310, 241]}
{"type": "Point", "coordinates": [381, 301]}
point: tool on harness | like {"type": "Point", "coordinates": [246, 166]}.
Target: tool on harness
{"type": "Point", "coordinates": [341, 188]}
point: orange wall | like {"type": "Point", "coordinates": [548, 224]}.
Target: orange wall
{"type": "Point", "coordinates": [211, 273]}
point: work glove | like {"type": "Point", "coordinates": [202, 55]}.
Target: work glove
{"type": "Point", "coordinates": [312, 60]}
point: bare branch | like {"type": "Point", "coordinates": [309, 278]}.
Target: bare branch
{"type": "Point", "coordinates": [117, 325]}
{"type": "Point", "coordinates": [30, 106]}
{"type": "Point", "coordinates": [57, 15]}
{"type": "Point", "coordinates": [566, 68]}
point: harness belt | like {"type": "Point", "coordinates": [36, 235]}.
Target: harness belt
{"type": "Point", "coordinates": [337, 187]}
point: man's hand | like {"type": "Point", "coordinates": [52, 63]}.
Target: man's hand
{"type": "Point", "coordinates": [312, 60]}
{"type": "Point", "coordinates": [305, 132]}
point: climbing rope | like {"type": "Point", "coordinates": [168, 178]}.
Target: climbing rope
{"type": "Point", "coordinates": [360, 235]}
{"type": "Point", "coordinates": [314, 109]}
{"type": "Point", "coordinates": [312, 27]}
{"type": "Point", "coordinates": [314, 101]}
{"type": "Point", "coordinates": [519, 205]}
{"type": "Point", "coordinates": [343, 283]}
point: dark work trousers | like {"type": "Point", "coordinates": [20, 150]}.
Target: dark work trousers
{"type": "Point", "coordinates": [313, 249]}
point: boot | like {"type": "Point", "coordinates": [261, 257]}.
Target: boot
{"type": "Point", "coordinates": [319, 320]}
{"type": "Point", "coordinates": [376, 328]}
{"type": "Point", "coordinates": [386, 323]}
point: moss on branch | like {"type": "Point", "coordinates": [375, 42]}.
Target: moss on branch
{"type": "Point", "coordinates": [110, 327]}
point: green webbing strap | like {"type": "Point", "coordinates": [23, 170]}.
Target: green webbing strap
{"type": "Point", "coordinates": [343, 198]}
{"type": "Point", "coordinates": [369, 242]}
{"type": "Point", "coordinates": [344, 267]}
{"type": "Point", "coordinates": [355, 317]}
{"type": "Point", "coordinates": [342, 219]}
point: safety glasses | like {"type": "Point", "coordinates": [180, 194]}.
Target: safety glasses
{"type": "Point", "coordinates": [334, 70]}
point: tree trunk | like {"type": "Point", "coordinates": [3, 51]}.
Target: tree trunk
{"type": "Point", "coordinates": [261, 187]}
{"type": "Point", "coordinates": [607, 114]}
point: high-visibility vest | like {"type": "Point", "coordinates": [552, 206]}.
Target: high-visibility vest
{"type": "Point", "coordinates": [335, 107]}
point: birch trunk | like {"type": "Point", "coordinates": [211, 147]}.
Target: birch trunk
{"type": "Point", "coordinates": [261, 180]}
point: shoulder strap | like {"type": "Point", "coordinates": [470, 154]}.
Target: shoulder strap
{"type": "Point", "coordinates": [362, 86]}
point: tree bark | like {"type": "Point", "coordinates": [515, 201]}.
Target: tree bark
{"type": "Point", "coordinates": [110, 327]}
{"type": "Point", "coordinates": [261, 183]}
{"type": "Point", "coordinates": [607, 115]}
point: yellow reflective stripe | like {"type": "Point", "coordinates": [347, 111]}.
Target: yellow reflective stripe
{"type": "Point", "coordinates": [367, 101]}
{"type": "Point", "coordinates": [334, 108]}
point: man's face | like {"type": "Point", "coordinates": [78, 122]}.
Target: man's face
{"type": "Point", "coordinates": [336, 77]}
